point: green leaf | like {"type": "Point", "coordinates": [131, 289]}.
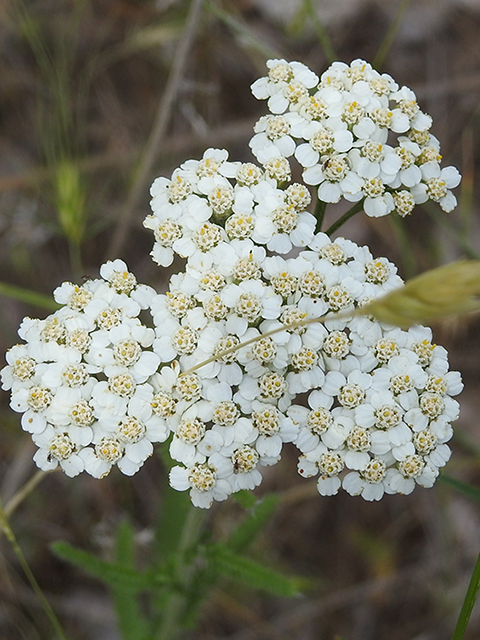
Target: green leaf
{"type": "Point", "coordinates": [131, 622]}
{"type": "Point", "coordinates": [462, 487]}
{"type": "Point", "coordinates": [232, 565]}
{"type": "Point", "coordinates": [109, 573]}
{"type": "Point", "coordinates": [247, 530]}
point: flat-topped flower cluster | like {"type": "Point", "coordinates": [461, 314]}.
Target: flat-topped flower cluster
{"type": "Point", "coordinates": [256, 342]}
{"type": "Point", "coordinates": [80, 379]}
{"type": "Point", "coordinates": [356, 134]}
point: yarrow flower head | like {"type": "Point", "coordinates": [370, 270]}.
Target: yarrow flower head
{"type": "Point", "coordinates": [81, 376]}
{"type": "Point", "coordinates": [356, 134]}
{"type": "Point", "coordinates": [268, 333]}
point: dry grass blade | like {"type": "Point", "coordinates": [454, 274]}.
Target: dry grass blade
{"type": "Point", "coordinates": [158, 131]}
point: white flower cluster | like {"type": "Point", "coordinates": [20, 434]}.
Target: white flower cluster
{"type": "Point", "coordinates": [379, 398]}
{"type": "Point", "coordinates": [210, 203]}
{"type": "Point", "coordinates": [80, 380]}
{"type": "Point", "coordinates": [356, 134]}
{"type": "Point", "coordinates": [236, 340]}
{"type": "Point", "coordinates": [384, 420]}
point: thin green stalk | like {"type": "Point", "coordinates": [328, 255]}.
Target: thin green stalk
{"type": "Point", "coordinates": [26, 295]}
{"type": "Point", "coordinates": [25, 491]}
{"type": "Point", "coordinates": [462, 487]}
{"type": "Point", "coordinates": [391, 34]}
{"type": "Point", "coordinates": [358, 206]}
{"type": "Point", "coordinates": [184, 570]}
{"type": "Point", "coordinates": [320, 32]}
{"type": "Point", "coordinates": [244, 32]}
{"type": "Point", "coordinates": [319, 214]}
{"type": "Point", "coordinates": [59, 126]}
{"type": "Point", "coordinates": [468, 603]}
{"type": "Point", "coordinates": [7, 530]}
{"type": "Point", "coordinates": [452, 290]}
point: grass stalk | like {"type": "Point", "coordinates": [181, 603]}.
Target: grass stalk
{"type": "Point", "coordinates": [390, 36]}
{"type": "Point", "coordinates": [76, 264]}
{"type": "Point", "coordinates": [10, 536]}
{"type": "Point", "coordinates": [267, 334]}
{"type": "Point", "coordinates": [157, 135]}
{"type": "Point", "coordinates": [25, 491]}
{"type": "Point", "coordinates": [243, 31]}
{"type": "Point", "coordinates": [320, 32]}
{"type": "Point", "coordinates": [468, 603]}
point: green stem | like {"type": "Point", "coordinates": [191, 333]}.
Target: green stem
{"type": "Point", "coordinates": [26, 295]}
{"type": "Point", "coordinates": [244, 32]}
{"type": "Point", "coordinates": [183, 573]}
{"type": "Point", "coordinates": [468, 603]}
{"type": "Point", "coordinates": [358, 206]}
{"type": "Point", "coordinates": [319, 214]}
{"type": "Point", "coordinates": [7, 530]}
{"type": "Point", "coordinates": [320, 32]}
{"type": "Point", "coordinates": [25, 491]}
{"type": "Point", "coordinates": [391, 34]}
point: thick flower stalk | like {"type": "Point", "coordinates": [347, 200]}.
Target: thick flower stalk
{"type": "Point", "coordinates": [258, 340]}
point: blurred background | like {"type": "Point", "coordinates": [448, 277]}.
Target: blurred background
{"type": "Point", "coordinates": [97, 98]}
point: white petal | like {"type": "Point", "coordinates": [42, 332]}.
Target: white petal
{"type": "Point", "coordinates": [277, 103]}
{"type": "Point", "coordinates": [343, 141]}
{"type": "Point", "coordinates": [313, 175]}
{"type": "Point", "coordinates": [306, 156]}
{"type": "Point", "coordinates": [329, 192]}
{"type": "Point", "coordinates": [179, 478]}
{"type": "Point", "coordinates": [449, 202]}
{"type": "Point", "coordinates": [452, 177]}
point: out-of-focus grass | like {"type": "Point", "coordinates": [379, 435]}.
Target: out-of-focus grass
{"type": "Point", "coordinates": [81, 85]}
